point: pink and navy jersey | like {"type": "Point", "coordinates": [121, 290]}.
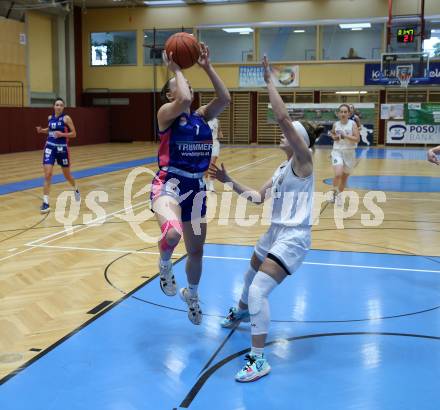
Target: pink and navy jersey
{"type": "Point", "coordinates": [186, 144]}
{"type": "Point", "coordinates": [57, 124]}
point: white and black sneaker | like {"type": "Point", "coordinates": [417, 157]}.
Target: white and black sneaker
{"type": "Point", "coordinates": [166, 278]}
{"type": "Point", "coordinates": [194, 311]}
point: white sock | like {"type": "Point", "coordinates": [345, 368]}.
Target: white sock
{"type": "Point", "coordinates": [164, 263]}
{"type": "Point", "coordinates": [257, 351]}
{"type": "Point", "coordinates": [46, 199]}
{"type": "Point", "coordinates": [192, 290]}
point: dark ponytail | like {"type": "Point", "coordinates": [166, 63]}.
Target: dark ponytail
{"type": "Point", "coordinates": [314, 131]}
{"type": "Point", "coordinates": [163, 93]}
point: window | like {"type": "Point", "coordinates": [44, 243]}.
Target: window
{"type": "Point", "coordinates": [352, 43]}
{"type": "Point", "coordinates": [432, 45]}
{"type": "Point", "coordinates": [116, 48]}
{"type": "Point", "coordinates": [154, 43]}
{"type": "Point", "coordinates": [229, 45]}
{"type": "Point", "coordinates": [288, 43]}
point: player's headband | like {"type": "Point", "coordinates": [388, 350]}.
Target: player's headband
{"type": "Point", "coordinates": [299, 128]}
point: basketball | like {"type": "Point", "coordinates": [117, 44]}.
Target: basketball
{"type": "Point", "coordinates": [185, 49]}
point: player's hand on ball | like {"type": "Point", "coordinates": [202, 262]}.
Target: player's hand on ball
{"type": "Point", "coordinates": [169, 62]}
{"type": "Point", "coordinates": [433, 158]}
{"type": "Point", "coordinates": [220, 175]}
{"type": "Point", "coordinates": [204, 60]}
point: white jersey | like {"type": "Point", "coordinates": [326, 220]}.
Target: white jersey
{"type": "Point", "coordinates": [344, 129]}
{"type": "Point", "coordinates": [292, 197]}
{"type": "Point", "coordinates": [213, 124]}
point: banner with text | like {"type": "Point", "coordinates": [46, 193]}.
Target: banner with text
{"type": "Point", "coordinates": [373, 76]}
{"type": "Point", "coordinates": [422, 113]}
{"type": "Point", "coordinates": [399, 132]}
{"type": "Point", "coordinates": [282, 76]}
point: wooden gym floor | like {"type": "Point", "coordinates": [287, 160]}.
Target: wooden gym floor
{"type": "Point", "coordinates": [51, 279]}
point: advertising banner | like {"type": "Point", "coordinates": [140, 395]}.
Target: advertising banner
{"type": "Point", "coordinates": [282, 76]}
{"type": "Point", "coordinates": [398, 132]}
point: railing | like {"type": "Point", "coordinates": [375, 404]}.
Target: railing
{"type": "Point", "coordinates": [11, 94]}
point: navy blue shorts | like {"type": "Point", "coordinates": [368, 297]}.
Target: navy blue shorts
{"type": "Point", "coordinates": [190, 193]}
{"type": "Point", "coordinates": [57, 153]}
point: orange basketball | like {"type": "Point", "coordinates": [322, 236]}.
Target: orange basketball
{"type": "Point", "coordinates": [185, 49]}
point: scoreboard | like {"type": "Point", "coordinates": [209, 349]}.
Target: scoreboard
{"type": "Point", "coordinates": [406, 35]}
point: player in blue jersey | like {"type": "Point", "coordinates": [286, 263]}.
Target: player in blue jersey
{"type": "Point", "coordinates": [59, 130]}
{"type": "Point", "coordinates": [178, 193]}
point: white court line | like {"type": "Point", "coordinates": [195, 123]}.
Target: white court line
{"type": "Point", "coordinates": [112, 250]}
{"type": "Point", "coordinates": [86, 225]}
{"type": "Point", "coordinates": [70, 231]}
{"type": "Point", "coordinates": [94, 221]}
{"type": "Point", "coordinates": [339, 265]}
{"type": "Point", "coordinates": [31, 245]}
{"type": "Point", "coordinates": [251, 163]}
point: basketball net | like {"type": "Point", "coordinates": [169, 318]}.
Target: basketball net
{"type": "Point", "coordinates": [404, 74]}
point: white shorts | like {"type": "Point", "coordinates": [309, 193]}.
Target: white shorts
{"type": "Point", "coordinates": [289, 245]}
{"type": "Point", "coordinates": [344, 157]}
{"type": "Point", "coordinates": [215, 148]}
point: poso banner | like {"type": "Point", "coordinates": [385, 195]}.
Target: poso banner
{"type": "Point", "coordinates": [398, 132]}
{"type": "Point", "coordinates": [282, 76]}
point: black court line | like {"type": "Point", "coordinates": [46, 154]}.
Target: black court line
{"type": "Point", "coordinates": [208, 363]}
{"type": "Point", "coordinates": [149, 302]}
{"type": "Point", "coordinates": [73, 332]}
{"type": "Point", "coordinates": [24, 230]}
{"type": "Point", "coordinates": [186, 402]}
{"type": "Point", "coordinates": [99, 307]}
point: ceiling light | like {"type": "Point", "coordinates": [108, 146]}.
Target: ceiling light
{"type": "Point", "coordinates": [299, 31]}
{"type": "Point", "coordinates": [351, 92]}
{"type": "Point", "coordinates": [355, 25]}
{"type": "Point", "coordinates": [163, 2]}
{"type": "Point", "coordinates": [244, 30]}
{"type": "Point", "coordinates": [356, 29]}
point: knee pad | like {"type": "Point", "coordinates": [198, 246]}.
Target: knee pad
{"type": "Point", "coordinates": [255, 299]}
{"type": "Point", "coordinates": [248, 278]}
{"type": "Point", "coordinates": [260, 289]}
{"type": "Point", "coordinates": [165, 228]}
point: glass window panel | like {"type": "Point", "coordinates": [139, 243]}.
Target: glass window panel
{"type": "Point", "coordinates": [432, 45]}
{"type": "Point", "coordinates": [113, 48]}
{"type": "Point", "coordinates": [228, 47]}
{"type": "Point", "coordinates": [158, 43]}
{"type": "Point", "coordinates": [346, 44]}
{"type": "Point", "coordinates": [288, 43]}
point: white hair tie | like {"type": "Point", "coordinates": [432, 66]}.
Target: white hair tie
{"type": "Point", "coordinates": [299, 128]}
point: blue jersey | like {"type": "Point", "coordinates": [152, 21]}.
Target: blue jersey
{"type": "Point", "coordinates": [57, 124]}
{"type": "Point", "coordinates": [186, 144]}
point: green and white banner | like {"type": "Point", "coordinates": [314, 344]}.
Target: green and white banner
{"type": "Point", "coordinates": [324, 113]}
{"type": "Point", "coordinates": [422, 113]}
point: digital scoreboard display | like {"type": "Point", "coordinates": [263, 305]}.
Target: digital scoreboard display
{"type": "Point", "coordinates": [406, 35]}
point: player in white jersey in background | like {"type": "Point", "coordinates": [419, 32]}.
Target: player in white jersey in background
{"type": "Point", "coordinates": [217, 133]}
{"type": "Point", "coordinates": [281, 250]}
{"type": "Point", "coordinates": [432, 155]}
{"type": "Point", "coordinates": [345, 135]}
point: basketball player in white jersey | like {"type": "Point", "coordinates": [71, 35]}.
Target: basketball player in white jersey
{"type": "Point", "coordinates": [432, 155]}
{"type": "Point", "coordinates": [345, 134]}
{"type": "Point", "coordinates": [214, 124]}
{"type": "Point", "coordinates": [281, 250]}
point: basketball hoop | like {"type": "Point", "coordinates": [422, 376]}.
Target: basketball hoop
{"type": "Point", "coordinates": [404, 74]}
